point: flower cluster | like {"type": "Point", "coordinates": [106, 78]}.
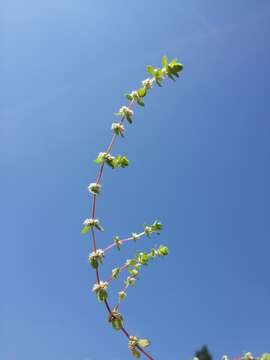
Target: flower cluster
{"type": "Point", "coordinates": [156, 227]}
{"type": "Point", "coordinates": [116, 319]}
{"type": "Point", "coordinates": [134, 342]}
{"type": "Point", "coordinates": [94, 188]}
{"type": "Point", "coordinates": [126, 113]}
{"type": "Point", "coordinates": [101, 290]}
{"type": "Point", "coordinates": [95, 258]}
{"type": "Point", "coordinates": [94, 223]}
{"type": "Point", "coordinates": [118, 129]}
{"type": "Point", "coordinates": [113, 162]}
{"type": "Point", "coordinates": [117, 242]}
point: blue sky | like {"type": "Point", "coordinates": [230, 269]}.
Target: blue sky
{"type": "Point", "coordinates": [199, 162]}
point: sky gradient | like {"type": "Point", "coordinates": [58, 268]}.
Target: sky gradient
{"type": "Point", "coordinates": [199, 162]}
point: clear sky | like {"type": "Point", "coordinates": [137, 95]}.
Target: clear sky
{"type": "Point", "coordinates": [199, 162]}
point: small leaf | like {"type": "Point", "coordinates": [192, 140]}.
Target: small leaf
{"type": "Point", "coordinates": [102, 295]}
{"type": "Point", "coordinates": [151, 70]}
{"type": "Point", "coordinates": [85, 229]}
{"type": "Point", "coordinates": [136, 353]}
{"type": "Point", "coordinates": [142, 92]}
{"type": "Point", "coordinates": [129, 119]}
{"type": "Point", "coordinates": [117, 324]}
{"type": "Point", "coordinates": [128, 97]}
{"type": "Point", "coordinates": [140, 102]}
{"type": "Point", "coordinates": [144, 343]}
{"type": "Point", "coordinates": [164, 61]}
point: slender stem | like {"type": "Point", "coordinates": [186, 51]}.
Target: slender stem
{"type": "Point", "coordinates": [100, 173]}
{"type": "Point", "coordinates": [122, 241]}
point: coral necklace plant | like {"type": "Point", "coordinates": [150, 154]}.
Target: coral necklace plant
{"type": "Point", "coordinates": [133, 266]}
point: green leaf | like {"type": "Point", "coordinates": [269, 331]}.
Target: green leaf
{"type": "Point", "coordinates": [171, 77]}
{"type": "Point", "coordinates": [128, 97]}
{"type": "Point", "coordinates": [164, 61]}
{"type": "Point", "coordinates": [136, 353]}
{"type": "Point", "coordinates": [151, 70]}
{"type": "Point", "coordinates": [163, 250]}
{"type": "Point", "coordinates": [94, 263]}
{"type": "Point", "coordinates": [265, 356]}
{"type": "Point", "coordinates": [178, 67]}
{"type": "Point", "coordinates": [85, 229]}
{"type": "Point", "coordinates": [140, 102]}
{"type": "Point", "coordinates": [173, 62]}
{"type": "Point", "coordinates": [100, 159]}
{"type": "Point", "coordinates": [99, 227]}
{"type": "Point", "coordinates": [102, 295]}
{"type": "Point", "coordinates": [117, 324]}
{"type": "Point", "coordinates": [142, 92]}
{"type": "Point", "coordinates": [144, 343]}
{"type": "Point", "coordinates": [129, 119]}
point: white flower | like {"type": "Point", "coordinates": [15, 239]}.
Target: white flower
{"type": "Point", "coordinates": [125, 111]}
{"type": "Point", "coordinates": [118, 128]}
{"type": "Point", "coordinates": [148, 83]}
{"type": "Point", "coordinates": [135, 95]}
{"type": "Point", "coordinates": [103, 285]}
{"type": "Point", "coordinates": [94, 188]}
{"type": "Point", "coordinates": [135, 236]}
{"type": "Point", "coordinates": [98, 254]}
{"type": "Point", "coordinates": [89, 222]}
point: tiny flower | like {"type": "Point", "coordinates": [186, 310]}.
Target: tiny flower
{"type": "Point", "coordinates": [135, 96]}
{"type": "Point", "coordinates": [122, 295]}
{"type": "Point", "coordinates": [133, 342]}
{"type": "Point", "coordinates": [148, 83]}
{"type": "Point", "coordinates": [94, 188]}
{"type": "Point", "coordinates": [135, 236]}
{"type": "Point", "coordinates": [130, 280]}
{"type": "Point", "coordinates": [89, 222]}
{"type": "Point", "coordinates": [147, 230]}
{"type": "Point", "coordinates": [117, 242]}
{"type": "Point", "coordinates": [118, 129]}
{"type": "Point", "coordinates": [134, 272]}
{"type": "Point", "coordinates": [95, 258]}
